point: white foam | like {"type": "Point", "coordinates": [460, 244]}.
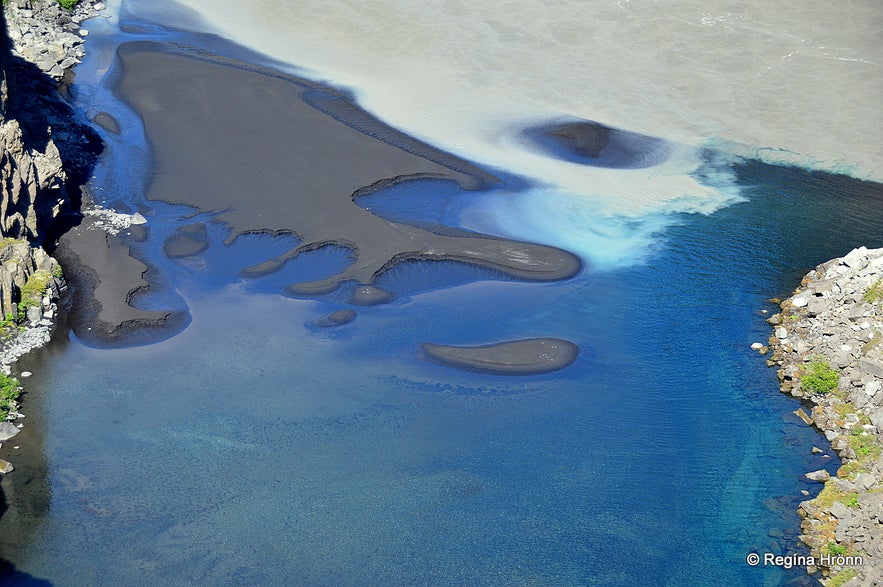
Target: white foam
{"type": "Point", "coordinates": [606, 236]}
{"type": "Point", "coordinates": [795, 82]}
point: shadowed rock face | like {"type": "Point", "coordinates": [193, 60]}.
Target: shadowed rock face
{"type": "Point", "coordinates": [518, 357]}
{"type": "Point", "coordinates": [45, 153]}
{"type": "Point", "coordinates": [246, 145]}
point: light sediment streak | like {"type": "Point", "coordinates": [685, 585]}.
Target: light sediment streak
{"type": "Point", "coordinates": [781, 81]}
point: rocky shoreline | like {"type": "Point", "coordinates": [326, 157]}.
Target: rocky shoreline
{"type": "Point", "coordinates": [30, 286]}
{"type": "Point", "coordinates": [45, 156]}
{"type": "Point", "coordinates": [828, 347]}
{"type": "Point", "coordinates": [48, 35]}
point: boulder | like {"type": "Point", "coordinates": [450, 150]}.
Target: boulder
{"type": "Point", "coordinates": [840, 511]}
{"type": "Point", "coordinates": [877, 418]}
{"type": "Point", "coordinates": [803, 416]}
{"type": "Point", "coordinates": [871, 366]}
{"type": "Point", "coordinates": [856, 258]}
{"type": "Point", "coordinates": [8, 430]}
{"type": "Point", "coordinates": [865, 480]}
{"type": "Point", "coordinates": [819, 476]}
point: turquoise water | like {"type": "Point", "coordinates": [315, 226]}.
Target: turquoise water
{"type": "Point", "coordinates": [254, 449]}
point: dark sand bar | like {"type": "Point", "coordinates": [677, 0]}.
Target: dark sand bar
{"type": "Point", "coordinates": [105, 278]}
{"type": "Point", "coordinates": [516, 357]}
{"type": "Point", "coordinates": [250, 145]}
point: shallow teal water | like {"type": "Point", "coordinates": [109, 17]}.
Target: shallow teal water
{"type": "Point", "coordinates": [254, 449]}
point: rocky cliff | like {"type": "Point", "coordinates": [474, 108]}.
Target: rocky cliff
{"type": "Point", "coordinates": [45, 156]}
{"type": "Point", "coordinates": [828, 346]}
{"type": "Point", "coordinates": [44, 150]}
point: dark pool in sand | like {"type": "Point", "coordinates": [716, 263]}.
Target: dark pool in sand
{"type": "Point", "coordinates": [257, 447]}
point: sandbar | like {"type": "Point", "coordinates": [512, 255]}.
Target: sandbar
{"type": "Point", "coordinates": [515, 357]}
{"type": "Point", "coordinates": [105, 277]}
{"type": "Point", "coordinates": [267, 152]}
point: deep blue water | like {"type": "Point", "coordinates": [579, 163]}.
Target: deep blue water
{"type": "Point", "coordinates": [254, 449]}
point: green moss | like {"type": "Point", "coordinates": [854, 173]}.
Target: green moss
{"type": "Point", "coordinates": [68, 3]}
{"type": "Point", "coordinates": [876, 340]}
{"type": "Point", "coordinates": [841, 578]}
{"type": "Point", "coordinates": [851, 470]}
{"type": "Point", "coordinates": [32, 291]}
{"type": "Point", "coordinates": [864, 445]}
{"type": "Point", "coordinates": [9, 394]}
{"type": "Point", "coordinates": [851, 500]}
{"type": "Point", "coordinates": [835, 549]}
{"type": "Point", "coordinates": [819, 377]}
{"type": "Point", "coordinates": [874, 293]}
{"type": "Point", "coordinates": [828, 495]}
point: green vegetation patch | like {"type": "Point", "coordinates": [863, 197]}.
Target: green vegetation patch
{"type": "Point", "coordinates": [851, 470]}
{"type": "Point", "coordinates": [835, 549]}
{"type": "Point", "coordinates": [864, 444]}
{"type": "Point", "coordinates": [828, 495]}
{"type": "Point", "coordinates": [9, 394]}
{"type": "Point", "coordinates": [8, 241]}
{"type": "Point", "coordinates": [819, 377]}
{"type": "Point", "coordinates": [32, 291]}
{"type": "Point", "coordinates": [874, 293]}
{"type": "Point", "coordinates": [841, 577]}
{"type": "Point", "coordinates": [68, 3]}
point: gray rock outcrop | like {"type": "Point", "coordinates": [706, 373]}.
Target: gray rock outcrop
{"type": "Point", "coordinates": [828, 347]}
{"type": "Point", "coordinates": [45, 155]}
{"type": "Point", "coordinates": [43, 149]}
{"type": "Point", "coordinates": [19, 264]}
{"type": "Point", "coordinates": [48, 35]}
